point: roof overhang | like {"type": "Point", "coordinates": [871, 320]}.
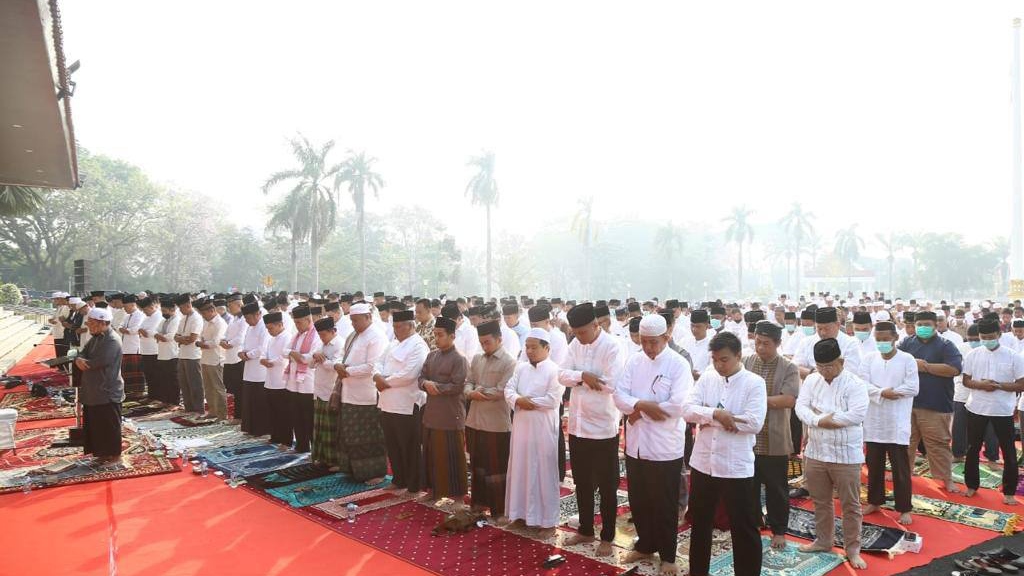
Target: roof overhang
{"type": "Point", "coordinates": [37, 142]}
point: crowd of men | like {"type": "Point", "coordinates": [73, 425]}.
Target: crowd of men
{"type": "Point", "coordinates": [708, 403]}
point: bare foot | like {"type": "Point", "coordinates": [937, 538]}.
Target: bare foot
{"type": "Point", "coordinates": [604, 549]}
{"type": "Point", "coordinates": [856, 561]}
{"type": "Point", "coordinates": [500, 521]}
{"type": "Point", "coordinates": [992, 465]}
{"type": "Point", "coordinates": [545, 532]}
{"type": "Point", "coordinates": [333, 469]}
{"type": "Point", "coordinates": [1009, 500]}
{"type": "Point", "coordinates": [958, 459]}
{"type": "Point", "coordinates": [905, 519]}
{"type": "Point", "coordinates": [869, 509]}
{"type": "Point", "coordinates": [635, 556]}
{"type": "Point", "coordinates": [951, 487]}
{"type": "Point", "coordinates": [970, 492]}
{"type": "Point", "coordinates": [814, 547]}
{"type": "Point", "coordinates": [668, 568]}
{"type": "Point", "coordinates": [520, 523]}
{"type": "Point", "coordinates": [778, 542]}
{"type": "Point", "coordinates": [374, 481]}
{"type": "Point", "coordinates": [392, 487]}
{"type": "Point", "coordinates": [578, 539]}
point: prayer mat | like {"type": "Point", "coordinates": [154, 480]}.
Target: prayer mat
{"type": "Point", "coordinates": [211, 436]}
{"type": "Point", "coordinates": [787, 562]}
{"type": "Point", "coordinates": [795, 469]}
{"type": "Point", "coordinates": [195, 420]}
{"type": "Point", "coordinates": [874, 538]}
{"type": "Point", "coordinates": [260, 464]}
{"type": "Point", "coordinates": [569, 512]}
{"type": "Point", "coordinates": [286, 476]}
{"type": "Point", "coordinates": [31, 409]}
{"type": "Point", "coordinates": [1020, 487]}
{"type": "Point", "coordinates": [318, 490]}
{"type": "Point", "coordinates": [983, 518]}
{"type": "Point", "coordinates": [219, 456]}
{"type": "Point", "coordinates": [135, 409]}
{"type": "Point", "coordinates": [365, 502]}
{"type": "Point", "coordinates": [167, 413]}
{"type": "Point", "coordinates": [404, 532]}
{"type": "Point", "coordinates": [153, 426]}
{"type": "Point", "coordinates": [68, 464]}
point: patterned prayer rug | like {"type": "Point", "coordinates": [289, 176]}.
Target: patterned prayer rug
{"type": "Point", "coordinates": [569, 512]}
{"type": "Point", "coordinates": [195, 420]}
{"type": "Point", "coordinates": [251, 466]}
{"type": "Point", "coordinates": [286, 476]}
{"type": "Point", "coordinates": [145, 407]}
{"type": "Point", "coordinates": [46, 466]}
{"type": "Point", "coordinates": [218, 456]}
{"type": "Point", "coordinates": [31, 409]}
{"type": "Point", "coordinates": [874, 538]}
{"type": "Point", "coordinates": [214, 435]}
{"type": "Point", "coordinates": [365, 502]}
{"type": "Point", "coordinates": [318, 490]}
{"type": "Point", "coordinates": [788, 562]}
{"type": "Point", "coordinates": [983, 518]}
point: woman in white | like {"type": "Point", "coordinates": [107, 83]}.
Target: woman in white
{"type": "Point", "coordinates": [531, 496]}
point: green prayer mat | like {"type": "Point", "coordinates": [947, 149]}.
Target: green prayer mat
{"type": "Point", "coordinates": [787, 562]}
{"type": "Point", "coordinates": [983, 518]}
{"type": "Point", "coordinates": [321, 489]}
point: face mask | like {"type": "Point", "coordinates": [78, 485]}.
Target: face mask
{"type": "Point", "coordinates": [790, 328]}
{"type": "Point", "coordinates": [884, 347]}
{"type": "Point", "coordinates": [862, 336]}
{"type": "Point", "coordinates": [807, 330]}
{"type": "Point", "coordinates": [925, 332]}
{"type": "Point", "coordinates": [975, 344]}
{"type": "Point", "coordinates": [991, 344]}
{"type": "Point", "coordinates": [716, 323]}
{"type": "Point", "coordinates": [165, 315]}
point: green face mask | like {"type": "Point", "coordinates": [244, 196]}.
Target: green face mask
{"type": "Point", "coordinates": [884, 347]}
{"type": "Point", "coordinates": [991, 344]}
{"type": "Point", "coordinates": [807, 330]}
{"type": "Point", "coordinates": [716, 323]}
{"type": "Point", "coordinates": [925, 332]}
{"type": "Point", "coordinates": [975, 344]}
{"type": "Point", "coordinates": [862, 336]}
{"type": "Point", "coordinates": [790, 328]}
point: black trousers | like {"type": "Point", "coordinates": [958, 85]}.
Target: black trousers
{"type": "Point", "coordinates": [688, 444]}
{"type": "Point", "coordinates": [595, 466]}
{"type": "Point", "coordinates": [60, 348]}
{"type": "Point", "coordinates": [280, 419]}
{"type": "Point", "coordinates": [301, 419]}
{"type": "Point", "coordinates": [653, 496]}
{"type": "Point", "coordinates": [705, 493]}
{"type": "Point", "coordinates": [875, 459]}
{"type": "Point", "coordinates": [255, 413]}
{"type": "Point", "coordinates": [149, 368]}
{"type": "Point", "coordinates": [167, 381]}
{"type": "Point", "coordinates": [233, 384]}
{"type": "Point", "coordinates": [796, 429]}
{"type": "Point", "coordinates": [1003, 426]}
{"type": "Point", "coordinates": [101, 426]}
{"type": "Point", "coordinates": [403, 439]}
{"type": "Point", "coordinates": [771, 471]}
{"type": "Point", "coordinates": [561, 440]}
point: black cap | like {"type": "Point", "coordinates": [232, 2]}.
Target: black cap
{"type": "Point", "coordinates": [826, 350]}
{"type": "Point", "coordinates": [826, 315]}
{"type": "Point", "coordinates": [508, 309]}
{"type": "Point", "coordinates": [581, 315]}
{"type": "Point", "coordinates": [634, 324]}
{"type": "Point", "coordinates": [324, 324]}
{"type": "Point", "coordinates": [861, 318]}
{"type": "Point", "coordinates": [766, 328]}
{"type": "Point", "coordinates": [403, 316]}
{"type": "Point", "coordinates": [492, 328]}
{"type": "Point", "coordinates": [539, 313]}
{"type": "Point", "coordinates": [272, 317]}
{"type": "Point", "coordinates": [699, 316]}
{"type": "Point", "coordinates": [602, 311]}
{"type": "Point", "coordinates": [300, 312]}
{"type": "Point", "coordinates": [446, 324]}
{"type": "Point", "coordinates": [926, 315]}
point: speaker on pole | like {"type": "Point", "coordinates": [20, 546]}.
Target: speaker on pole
{"type": "Point", "coordinates": [81, 276]}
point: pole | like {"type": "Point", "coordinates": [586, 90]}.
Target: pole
{"type": "Point", "coordinates": [1017, 227]}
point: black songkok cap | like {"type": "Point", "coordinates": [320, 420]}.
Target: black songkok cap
{"type": "Point", "coordinates": [233, 297]}
{"type": "Point", "coordinates": [807, 314]}
{"type": "Point", "coordinates": [451, 311]}
{"type": "Point", "coordinates": [539, 313]}
{"type": "Point", "coordinates": [250, 308]}
{"type": "Point", "coordinates": [249, 299]}
{"type": "Point", "coordinates": [717, 311]}
{"type": "Point", "coordinates": [634, 324]}
{"type": "Point", "coordinates": [885, 325]}
{"type": "Point", "coordinates": [378, 294]}
{"type": "Point", "coordinates": [672, 304]}
{"type": "Point", "coordinates": [204, 304]}
{"type": "Point", "coordinates": [147, 301]}
{"type": "Point", "coordinates": [115, 297]}
{"type": "Point", "coordinates": [182, 299]}
{"type": "Point", "coordinates": [403, 316]}
{"type": "Point", "coordinates": [345, 298]}
{"type": "Point", "coordinates": [753, 316]}
{"type": "Point", "coordinates": [220, 302]}
{"type": "Point", "coordinates": [324, 324]}
{"type": "Point", "coordinates": [909, 316]}
{"type": "Point", "coordinates": [447, 324]}
{"type": "Point", "coordinates": [581, 315]}
{"type": "Point", "coordinates": [789, 316]}
{"type": "Point", "coordinates": [699, 317]}
{"type": "Point", "coordinates": [300, 312]}
{"type": "Point", "coordinates": [129, 298]}
{"type": "Point", "coordinates": [166, 303]}
{"type": "Point", "coordinates": [102, 305]}
{"type": "Point", "coordinates": [926, 316]}
{"type": "Point", "coordinates": [1017, 324]}
{"type": "Point", "coordinates": [861, 318]}
{"type": "Point", "coordinates": [316, 310]}
{"type": "Point", "coordinates": [826, 350]}
{"type": "Point", "coordinates": [825, 315]}
{"type": "Point", "coordinates": [96, 293]}
{"type": "Point", "coordinates": [602, 311]}
{"type": "Point", "coordinates": [973, 329]}
{"type": "Point", "coordinates": [766, 328]}
{"type": "Point", "coordinates": [509, 309]}
{"type": "Point", "coordinates": [332, 306]}
{"type": "Point", "coordinates": [669, 316]}
{"type": "Point", "coordinates": [272, 317]}
{"type": "Point", "coordinates": [987, 326]}
{"type": "Point", "coordinates": [493, 328]}
{"type": "Point", "coordinates": [633, 306]}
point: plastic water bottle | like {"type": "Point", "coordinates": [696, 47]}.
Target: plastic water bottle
{"type": "Point", "coordinates": [234, 480]}
{"type": "Point", "coordinates": [26, 488]}
{"type": "Point", "coordinates": [203, 468]}
{"type": "Point", "coordinates": [350, 512]}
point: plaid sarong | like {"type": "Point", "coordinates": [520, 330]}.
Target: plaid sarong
{"type": "Point", "coordinates": [133, 376]}
{"type": "Point", "coordinates": [361, 449]}
{"type": "Point", "coordinates": [325, 434]}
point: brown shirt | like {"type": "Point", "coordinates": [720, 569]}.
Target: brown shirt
{"type": "Point", "coordinates": [447, 410]}
{"type": "Point", "coordinates": [781, 376]}
{"type": "Point", "coordinates": [489, 374]}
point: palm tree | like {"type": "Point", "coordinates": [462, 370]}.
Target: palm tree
{"type": "Point", "coordinates": [315, 212]}
{"type": "Point", "coordinates": [19, 200]}
{"type": "Point", "coordinates": [668, 240]}
{"type": "Point", "coordinates": [891, 244]}
{"type": "Point", "coordinates": [483, 190]}
{"type": "Point", "coordinates": [586, 232]}
{"type": "Point", "coordinates": [739, 231]}
{"type": "Point", "coordinates": [781, 250]}
{"type": "Point", "coordinates": [798, 226]}
{"type": "Point", "coordinates": [847, 249]}
{"type": "Point", "coordinates": [357, 172]}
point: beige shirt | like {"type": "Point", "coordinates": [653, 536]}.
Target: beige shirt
{"type": "Point", "coordinates": [489, 374]}
{"type": "Point", "coordinates": [782, 378]}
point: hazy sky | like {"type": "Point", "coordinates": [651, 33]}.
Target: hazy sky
{"type": "Point", "coordinates": [885, 113]}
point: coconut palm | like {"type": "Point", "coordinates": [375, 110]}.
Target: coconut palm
{"type": "Point", "coordinates": [668, 242]}
{"type": "Point", "coordinates": [798, 226]}
{"type": "Point", "coordinates": [891, 244]}
{"type": "Point", "coordinates": [357, 172]}
{"type": "Point", "coordinates": [586, 232]}
{"type": "Point", "coordinates": [739, 231]}
{"type": "Point", "coordinates": [847, 249]}
{"type": "Point", "coordinates": [314, 213]}
{"type": "Point", "coordinates": [483, 191]}
{"type": "Point", "coordinates": [19, 200]}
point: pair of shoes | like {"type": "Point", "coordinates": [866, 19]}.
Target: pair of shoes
{"type": "Point", "coordinates": [1004, 555]}
{"type": "Point", "coordinates": [986, 565]}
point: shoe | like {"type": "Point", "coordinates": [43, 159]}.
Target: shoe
{"type": "Point", "coordinates": [971, 565]}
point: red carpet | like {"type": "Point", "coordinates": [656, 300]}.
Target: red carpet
{"type": "Point", "coordinates": [28, 368]}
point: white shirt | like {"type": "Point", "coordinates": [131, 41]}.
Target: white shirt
{"type": "Point", "coordinates": [717, 452]}
{"type": "Point", "coordinates": [888, 421]}
{"type": "Point", "coordinates": [191, 324]}
{"type": "Point", "coordinates": [364, 353]}
{"type": "Point", "coordinates": [791, 344]}
{"type": "Point", "coordinates": [698, 351]}
{"type": "Point", "coordinates": [952, 336]}
{"type": "Point", "coordinates": [401, 366]}
{"type": "Point", "coordinates": [254, 344]}
{"type": "Point", "coordinates": [148, 346]}
{"type": "Point", "coordinates": [213, 332]}
{"type": "Point", "coordinates": [234, 336]}
{"type": "Point", "coordinates": [167, 328]}
{"type": "Point", "coordinates": [275, 353]}
{"type": "Point", "coordinates": [666, 380]}
{"type": "Point", "coordinates": [849, 349]}
{"type": "Point", "coordinates": [467, 341]}
{"type": "Point", "coordinates": [294, 382]}
{"type": "Point", "coordinates": [130, 342]}
{"type": "Point", "coordinates": [846, 398]}
{"type": "Point", "coordinates": [1001, 365]}
{"type": "Point", "coordinates": [960, 392]}
{"type": "Point", "coordinates": [324, 376]}
{"type": "Point", "coordinates": [869, 347]}
{"type": "Point", "coordinates": [592, 413]}
{"type": "Point", "coordinates": [1010, 341]}
{"type": "Point", "coordinates": [344, 326]}
{"type": "Point", "coordinates": [559, 346]}
{"type": "Point", "coordinates": [57, 329]}
{"type": "Point", "coordinates": [510, 341]}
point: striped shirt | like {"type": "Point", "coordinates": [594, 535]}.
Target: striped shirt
{"type": "Point", "coordinates": [846, 399]}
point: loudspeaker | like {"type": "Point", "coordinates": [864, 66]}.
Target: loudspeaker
{"type": "Point", "coordinates": [81, 276]}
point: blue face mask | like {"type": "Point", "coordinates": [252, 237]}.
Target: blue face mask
{"type": "Point", "coordinates": [925, 332]}
{"type": "Point", "coordinates": [884, 347]}
{"type": "Point", "coordinates": [807, 330]}
{"type": "Point", "coordinates": [790, 328]}
{"type": "Point", "coordinates": [991, 344]}
{"type": "Point", "coordinates": [862, 336]}
{"type": "Point", "coordinates": [975, 344]}
{"type": "Point", "coordinates": [716, 323]}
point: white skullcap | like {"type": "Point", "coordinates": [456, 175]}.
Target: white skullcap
{"type": "Point", "coordinates": [940, 314]}
{"type": "Point", "coordinates": [101, 314]}
{"type": "Point", "coordinates": [74, 300]}
{"type": "Point", "coordinates": [653, 325]}
{"type": "Point", "coordinates": [361, 308]}
{"type": "Point", "coordinates": [59, 295]}
{"type": "Point", "coordinates": [539, 334]}
{"type": "Point", "coordinates": [883, 316]}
